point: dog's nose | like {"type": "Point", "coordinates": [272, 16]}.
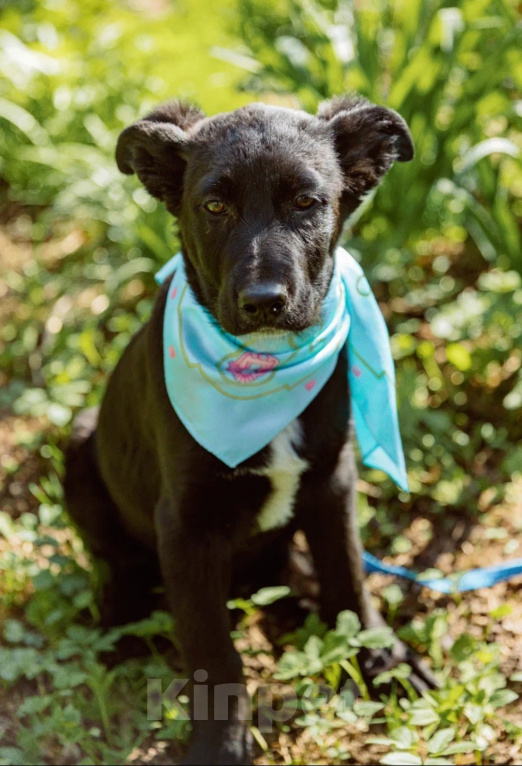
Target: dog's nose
{"type": "Point", "coordinates": [264, 300]}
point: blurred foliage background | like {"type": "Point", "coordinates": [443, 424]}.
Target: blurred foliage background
{"type": "Point", "coordinates": [440, 240]}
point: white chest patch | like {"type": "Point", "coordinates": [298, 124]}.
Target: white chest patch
{"type": "Point", "coordinates": [284, 472]}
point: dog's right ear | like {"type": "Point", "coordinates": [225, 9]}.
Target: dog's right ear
{"type": "Point", "coordinates": [156, 149]}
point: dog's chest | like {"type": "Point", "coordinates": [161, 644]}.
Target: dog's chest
{"type": "Point", "coordinates": [284, 471]}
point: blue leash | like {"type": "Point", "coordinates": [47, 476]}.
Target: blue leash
{"type": "Point", "coordinates": [483, 577]}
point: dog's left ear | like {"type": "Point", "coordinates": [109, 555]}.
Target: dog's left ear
{"type": "Point", "coordinates": [156, 149]}
{"type": "Point", "coordinates": [368, 139]}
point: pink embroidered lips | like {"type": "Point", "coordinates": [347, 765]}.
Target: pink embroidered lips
{"type": "Point", "coordinates": [249, 367]}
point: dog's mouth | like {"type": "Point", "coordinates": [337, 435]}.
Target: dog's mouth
{"type": "Point", "coordinates": [271, 332]}
{"type": "Point", "coordinates": [295, 320]}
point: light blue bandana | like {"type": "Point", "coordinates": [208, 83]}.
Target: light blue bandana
{"type": "Point", "coordinates": [235, 394]}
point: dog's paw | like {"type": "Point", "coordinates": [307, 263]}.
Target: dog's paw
{"type": "Point", "coordinates": [375, 662]}
{"type": "Point", "coordinates": [227, 746]}
{"type": "Point", "coordinates": [201, 755]}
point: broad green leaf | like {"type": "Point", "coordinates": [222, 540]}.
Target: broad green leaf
{"type": "Point", "coordinates": [313, 647]}
{"type": "Point", "coordinates": [14, 631]}
{"type": "Point", "coordinates": [440, 740]}
{"type": "Point", "coordinates": [367, 708]}
{"type": "Point", "coordinates": [33, 705]}
{"type": "Point", "coordinates": [423, 716]}
{"type": "Point", "coordinates": [404, 737]}
{"type": "Point", "coordinates": [503, 697]}
{"type": "Point", "coordinates": [401, 759]}
{"type": "Point", "coordinates": [460, 747]}
{"type": "Point", "coordinates": [348, 624]}
{"type": "Point", "coordinates": [401, 672]}
{"type": "Point", "coordinates": [375, 638]}
{"type": "Point", "coordinates": [335, 648]}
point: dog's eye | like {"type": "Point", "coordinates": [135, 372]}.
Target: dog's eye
{"type": "Point", "coordinates": [304, 202]}
{"type": "Point", "coordinates": [215, 206]}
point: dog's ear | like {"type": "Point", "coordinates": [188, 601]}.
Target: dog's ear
{"type": "Point", "coordinates": [156, 148]}
{"type": "Point", "coordinates": [368, 139]}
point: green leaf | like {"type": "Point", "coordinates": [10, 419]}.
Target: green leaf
{"type": "Point", "coordinates": [83, 599]}
{"type": "Point", "coordinates": [67, 676]}
{"type": "Point", "coordinates": [335, 648]}
{"type": "Point", "coordinates": [313, 647]}
{"type": "Point", "coordinates": [159, 623]}
{"type": "Point", "coordinates": [43, 580]}
{"type": "Point", "coordinates": [503, 697]}
{"type": "Point", "coordinates": [381, 741]}
{"type": "Point", "coordinates": [474, 712]}
{"type": "Point", "coordinates": [348, 624]}
{"type": "Point", "coordinates": [403, 737]}
{"type": "Point", "coordinates": [401, 672]}
{"type": "Point", "coordinates": [460, 747]}
{"type": "Point", "coordinates": [463, 647]}
{"type": "Point", "coordinates": [48, 514]}
{"type": "Point", "coordinates": [393, 595]}
{"type": "Point", "coordinates": [34, 705]}
{"type": "Point", "coordinates": [367, 708]}
{"type": "Point", "coordinates": [423, 716]}
{"type": "Point", "coordinates": [14, 631]}
{"type": "Point", "coordinates": [71, 714]}
{"type": "Point", "coordinates": [240, 603]}
{"type": "Point", "coordinates": [440, 741]}
{"type": "Point", "coordinates": [375, 638]}
{"type": "Point", "coordinates": [292, 665]}
{"type": "Point", "coordinates": [401, 759]}
{"type": "Point", "coordinates": [332, 674]}
{"type": "Point", "coordinates": [266, 596]}
{"type": "Point", "coordinates": [20, 662]}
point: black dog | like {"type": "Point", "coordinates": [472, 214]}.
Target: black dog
{"type": "Point", "coordinates": [260, 195]}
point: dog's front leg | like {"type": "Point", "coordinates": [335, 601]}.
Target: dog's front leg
{"type": "Point", "coordinates": [196, 567]}
{"type": "Point", "coordinates": [328, 517]}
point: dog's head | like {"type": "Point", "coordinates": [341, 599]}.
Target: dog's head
{"type": "Point", "coordinates": [260, 195]}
